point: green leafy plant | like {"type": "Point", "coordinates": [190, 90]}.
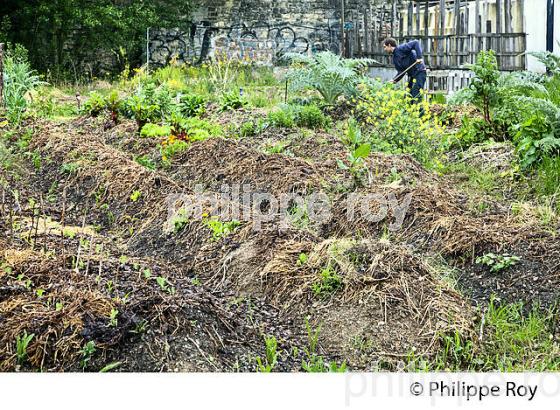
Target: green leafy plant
{"type": "Point", "coordinates": [357, 166]}
{"type": "Point", "coordinates": [150, 104]}
{"type": "Point", "coordinates": [485, 82]}
{"type": "Point", "coordinates": [172, 149]}
{"type": "Point", "coordinates": [70, 168]}
{"type": "Point", "coordinates": [180, 220]}
{"type": "Point", "coordinates": [134, 107]}
{"type": "Point", "coordinates": [498, 263]}
{"type": "Point", "coordinates": [22, 343]}
{"type": "Point", "coordinates": [140, 327]}
{"type": "Point", "coordinates": [283, 117]}
{"type": "Point", "coordinates": [359, 150]}
{"type": "Point", "coordinates": [155, 131]}
{"type": "Point", "coordinates": [191, 105]}
{"type": "Point", "coordinates": [298, 215]}
{"type": "Point", "coordinates": [19, 80]}
{"type": "Point", "coordinates": [165, 285]}
{"type": "Point", "coordinates": [311, 116]}
{"type": "Point", "coordinates": [135, 196]}
{"type": "Point", "coordinates": [329, 282]}
{"type": "Point", "coordinates": [113, 104]}
{"type": "Point", "coordinates": [220, 229]}
{"type": "Point", "coordinates": [302, 259]}
{"type": "Point", "coordinates": [250, 128]}
{"type": "Point", "coordinates": [327, 73]}
{"type": "Point", "coordinates": [278, 147]}
{"type": "Point", "coordinates": [232, 101]}
{"type": "Point", "coordinates": [94, 105]}
{"type": "Point", "coordinates": [353, 136]}
{"type": "Point", "coordinates": [271, 355]}
{"type": "Point", "coordinates": [192, 129]}
{"type": "Point", "coordinates": [474, 131]}
{"type": "Point", "coordinates": [146, 162]}
{"type": "Point", "coordinates": [535, 140]}
{"type": "Point", "coordinates": [87, 352]}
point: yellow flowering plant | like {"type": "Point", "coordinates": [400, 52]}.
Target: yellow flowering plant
{"type": "Point", "coordinates": [396, 124]}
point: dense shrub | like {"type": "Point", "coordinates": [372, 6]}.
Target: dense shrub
{"type": "Point", "coordinates": [518, 106]}
{"type": "Point", "coordinates": [474, 130]}
{"type": "Point", "coordinates": [79, 38]}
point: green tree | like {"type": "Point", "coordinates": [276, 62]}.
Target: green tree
{"type": "Point", "coordinates": [64, 36]}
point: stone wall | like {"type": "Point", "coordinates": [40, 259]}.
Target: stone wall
{"type": "Point", "coordinates": [257, 30]}
{"type": "Point", "coordinates": [311, 12]}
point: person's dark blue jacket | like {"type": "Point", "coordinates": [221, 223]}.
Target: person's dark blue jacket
{"type": "Point", "coordinates": [405, 55]}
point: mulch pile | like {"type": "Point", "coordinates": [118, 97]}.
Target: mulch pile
{"type": "Point", "coordinates": [384, 291]}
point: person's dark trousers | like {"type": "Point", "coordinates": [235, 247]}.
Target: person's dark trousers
{"type": "Point", "coordinates": [415, 85]}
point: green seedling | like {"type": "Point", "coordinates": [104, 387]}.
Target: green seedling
{"type": "Point", "coordinates": [266, 365]}
{"type": "Point", "coordinates": [22, 342]}
{"type": "Point", "coordinates": [113, 321]}
{"type": "Point", "coordinates": [498, 263]}
{"type": "Point", "coordinates": [87, 352]}
{"type": "Point", "coordinates": [135, 196]}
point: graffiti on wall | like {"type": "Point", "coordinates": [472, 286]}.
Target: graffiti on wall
{"type": "Point", "coordinates": [260, 42]}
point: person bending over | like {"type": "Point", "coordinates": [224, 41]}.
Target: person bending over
{"type": "Point", "coordinates": [404, 56]}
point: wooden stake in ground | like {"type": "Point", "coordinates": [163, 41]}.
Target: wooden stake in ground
{"type": "Point", "coordinates": [1, 75]}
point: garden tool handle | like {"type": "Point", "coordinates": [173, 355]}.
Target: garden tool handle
{"type": "Point", "coordinates": [401, 75]}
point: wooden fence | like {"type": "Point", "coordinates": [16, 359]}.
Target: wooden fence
{"type": "Point", "coordinates": [446, 46]}
{"type": "Point", "coordinates": [453, 52]}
